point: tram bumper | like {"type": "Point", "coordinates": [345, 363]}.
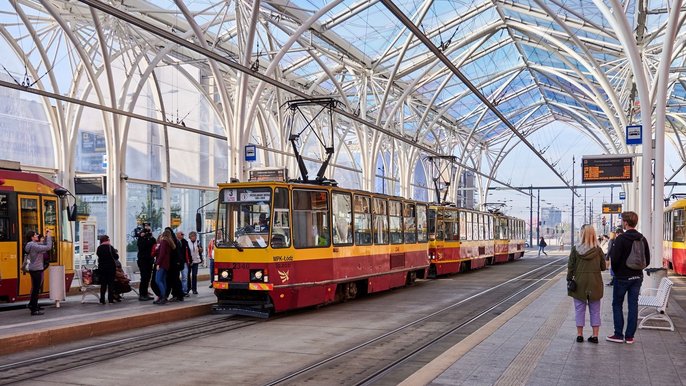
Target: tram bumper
{"type": "Point", "coordinates": [248, 299]}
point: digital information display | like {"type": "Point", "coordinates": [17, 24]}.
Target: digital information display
{"type": "Point", "coordinates": [612, 208]}
{"type": "Point", "coordinates": [617, 169]}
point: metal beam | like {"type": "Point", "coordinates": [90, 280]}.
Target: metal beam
{"type": "Point", "coordinates": [429, 44]}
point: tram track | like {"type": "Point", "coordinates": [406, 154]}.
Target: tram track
{"type": "Point", "coordinates": [47, 364]}
{"type": "Point", "coordinates": [369, 362]}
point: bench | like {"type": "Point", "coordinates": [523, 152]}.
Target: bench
{"type": "Point", "coordinates": [134, 279]}
{"type": "Point", "coordinates": [657, 305]}
{"type": "Point", "coordinates": [93, 289]}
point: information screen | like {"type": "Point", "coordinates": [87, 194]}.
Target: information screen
{"type": "Point", "coordinates": [618, 169]}
{"type": "Point", "coordinates": [612, 208]}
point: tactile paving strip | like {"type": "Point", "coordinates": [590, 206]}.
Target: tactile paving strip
{"type": "Point", "coordinates": [523, 365]}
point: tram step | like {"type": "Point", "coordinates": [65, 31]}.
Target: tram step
{"type": "Point", "coordinates": [237, 310]}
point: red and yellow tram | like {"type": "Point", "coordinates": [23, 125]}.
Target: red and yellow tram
{"type": "Point", "coordinates": [281, 246]}
{"type": "Point", "coordinates": [464, 239]}
{"type": "Point", "coordinates": [674, 244]}
{"type": "Point", "coordinates": [30, 202]}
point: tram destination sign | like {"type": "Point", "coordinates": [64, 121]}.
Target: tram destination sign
{"type": "Point", "coordinates": [612, 208]}
{"type": "Point", "coordinates": [607, 169]}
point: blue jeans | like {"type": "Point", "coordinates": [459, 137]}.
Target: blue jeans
{"type": "Point", "coordinates": [194, 277]}
{"type": "Point", "coordinates": [620, 289]}
{"type": "Point", "coordinates": [184, 278]}
{"type": "Point", "coordinates": [161, 279]}
{"type": "Point", "coordinates": [211, 270]}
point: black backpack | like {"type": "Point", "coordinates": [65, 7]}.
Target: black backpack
{"type": "Point", "coordinates": [637, 257]}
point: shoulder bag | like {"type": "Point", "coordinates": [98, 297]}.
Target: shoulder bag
{"type": "Point", "coordinates": [571, 283]}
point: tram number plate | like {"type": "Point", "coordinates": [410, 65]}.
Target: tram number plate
{"type": "Point", "coordinates": [240, 266]}
{"type": "Point", "coordinates": [283, 258]}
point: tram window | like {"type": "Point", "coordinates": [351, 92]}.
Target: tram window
{"type": "Point", "coordinates": [470, 232]}
{"type": "Point", "coordinates": [243, 218]}
{"type": "Point", "coordinates": [29, 215]}
{"type": "Point", "coordinates": [363, 221]}
{"type": "Point", "coordinates": [6, 221]}
{"type": "Point", "coordinates": [395, 222]}
{"type": "Point", "coordinates": [432, 223]}
{"type": "Point", "coordinates": [311, 219]}
{"type": "Point", "coordinates": [50, 223]}
{"type": "Point", "coordinates": [678, 225]}
{"type": "Point", "coordinates": [342, 205]}
{"type": "Point", "coordinates": [380, 220]}
{"type": "Point", "coordinates": [463, 225]}
{"type": "Point", "coordinates": [281, 225]}
{"type": "Point", "coordinates": [409, 223]}
{"type": "Point", "coordinates": [451, 225]}
{"type": "Point", "coordinates": [421, 224]}
{"type": "Point", "coordinates": [489, 228]}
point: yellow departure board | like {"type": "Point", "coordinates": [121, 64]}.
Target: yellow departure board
{"type": "Point", "coordinates": [616, 169]}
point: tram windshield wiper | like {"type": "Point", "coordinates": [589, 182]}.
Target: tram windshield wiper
{"type": "Point", "coordinates": [237, 245]}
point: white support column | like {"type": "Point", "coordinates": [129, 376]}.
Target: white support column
{"type": "Point", "coordinates": [660, 120]}
{"type": "Point", "coordinates": [626, 37]}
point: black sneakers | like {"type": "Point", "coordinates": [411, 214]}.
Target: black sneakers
{"type": "Point", "coordinates": [593, 339]}
{"type": "Point", "coordinates": [580, 339]}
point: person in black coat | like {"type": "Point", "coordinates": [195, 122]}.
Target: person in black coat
{"type": "Point", "coordinates": [107, 257]}
{"type": "Point", "coordinates": [145, 261]}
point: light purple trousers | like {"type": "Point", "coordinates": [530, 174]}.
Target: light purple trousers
{"type": "Point", "coordinates": [580, 312]}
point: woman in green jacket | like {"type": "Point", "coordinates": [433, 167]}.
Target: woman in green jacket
{"type": "Point", "coordinates": [586, 261]}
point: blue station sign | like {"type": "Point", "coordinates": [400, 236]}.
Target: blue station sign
{"type": "Point", "coordinates": [634, 135]}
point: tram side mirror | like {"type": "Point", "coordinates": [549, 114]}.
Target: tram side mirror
{"type": "Point", "coordinates": [198, 222]}
{"type": "Point", "coordinates": [71, 212]}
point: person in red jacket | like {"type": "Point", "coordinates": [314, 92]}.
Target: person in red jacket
{"type": "Point", "coordinates": [164, 255]}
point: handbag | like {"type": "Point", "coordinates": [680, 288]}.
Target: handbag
{"type": "Point", "coordinates": [571, 285]}
{"type": "Point", "coordinates": [95, 277]}
{"type": "Point", "coordinates": [25, 265]}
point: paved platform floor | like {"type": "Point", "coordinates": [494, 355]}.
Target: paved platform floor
{"type": "Point", "coordinates": [537, 346]}
{"type": "Point", "coordinates": [73, 320]}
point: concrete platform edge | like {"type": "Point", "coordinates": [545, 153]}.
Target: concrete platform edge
{"type": "Point", "coordinates": [433, 369]}
{"type": "Point", "coordinates": [10, 344]}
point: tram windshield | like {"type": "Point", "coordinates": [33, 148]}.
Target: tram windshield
{"type": "Point", "coordinates": [243, 218]}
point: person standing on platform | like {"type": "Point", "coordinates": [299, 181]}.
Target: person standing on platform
{"type": "Point", "coordinates": [627, 281]}
{"type": "Point", "coordinates": [586, 261]}
{"type": "Point", "coordinates": [210, 259]}
{"type": "Point", "coordinates": [610, 244]}
{"type": "Point", "coordinates": [196, 259]}
{"type": "Point", "coordinates": [165, 252]}
{"type": "Point", "coordinates": [107, 268]}
{"type": "Point", "coordinates": [145, 261]}
{"type": "Point", "coordinates": [185, 261]}
{"type": "Point", "coordinates": [541, 246]}
{"type": "Point", "coordinates": [35, 254]}
{"type": "Point", "coordinates": [175, 266]}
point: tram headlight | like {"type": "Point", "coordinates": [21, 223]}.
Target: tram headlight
{"type": "Point", "coordinates": [258, 275]}
{"type": "Point", "coordinates": [225, 274]}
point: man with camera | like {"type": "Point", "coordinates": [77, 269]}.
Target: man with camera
{"type": "Point", "coordinates": [145, 260]}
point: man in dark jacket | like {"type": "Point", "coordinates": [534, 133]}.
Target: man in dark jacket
{"type": "Point", "coordinates": [145, 261]}
{"type": "Point", "coordinates": [626, 280]}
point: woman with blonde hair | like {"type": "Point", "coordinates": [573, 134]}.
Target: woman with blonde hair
{"type": "Point", "coordinates": [586, 261]}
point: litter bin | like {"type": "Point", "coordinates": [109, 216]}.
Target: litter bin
{"type": "Point", "coordinates": [656, 273]}
{"type": "Point", "coordinates": [57, 290]}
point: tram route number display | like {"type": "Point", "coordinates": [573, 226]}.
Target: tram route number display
{"type": "Point", "coordinates": [617, 169]}
{"type": "Point", "coordinates": [612, 208]}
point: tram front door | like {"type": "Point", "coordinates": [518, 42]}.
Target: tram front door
{"type": "Point", "coordinates": [39, 214]}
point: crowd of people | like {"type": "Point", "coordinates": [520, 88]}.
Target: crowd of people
{"type": "Point", "coordinates": [588, 259]}
{"type": "Point", "coordinates": [168, 265]}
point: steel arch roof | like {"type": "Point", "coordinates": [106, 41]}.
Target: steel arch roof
{"type": "Point", "coordinates": [536, 61]}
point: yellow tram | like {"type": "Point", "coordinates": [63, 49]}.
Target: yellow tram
{"type": "Point", "coordinates": [29, 202]}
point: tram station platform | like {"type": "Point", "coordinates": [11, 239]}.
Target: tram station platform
{"type": "Point", "coordinates": [74, 320]}
{"type": "Point", "coordinates": [534, 343]}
